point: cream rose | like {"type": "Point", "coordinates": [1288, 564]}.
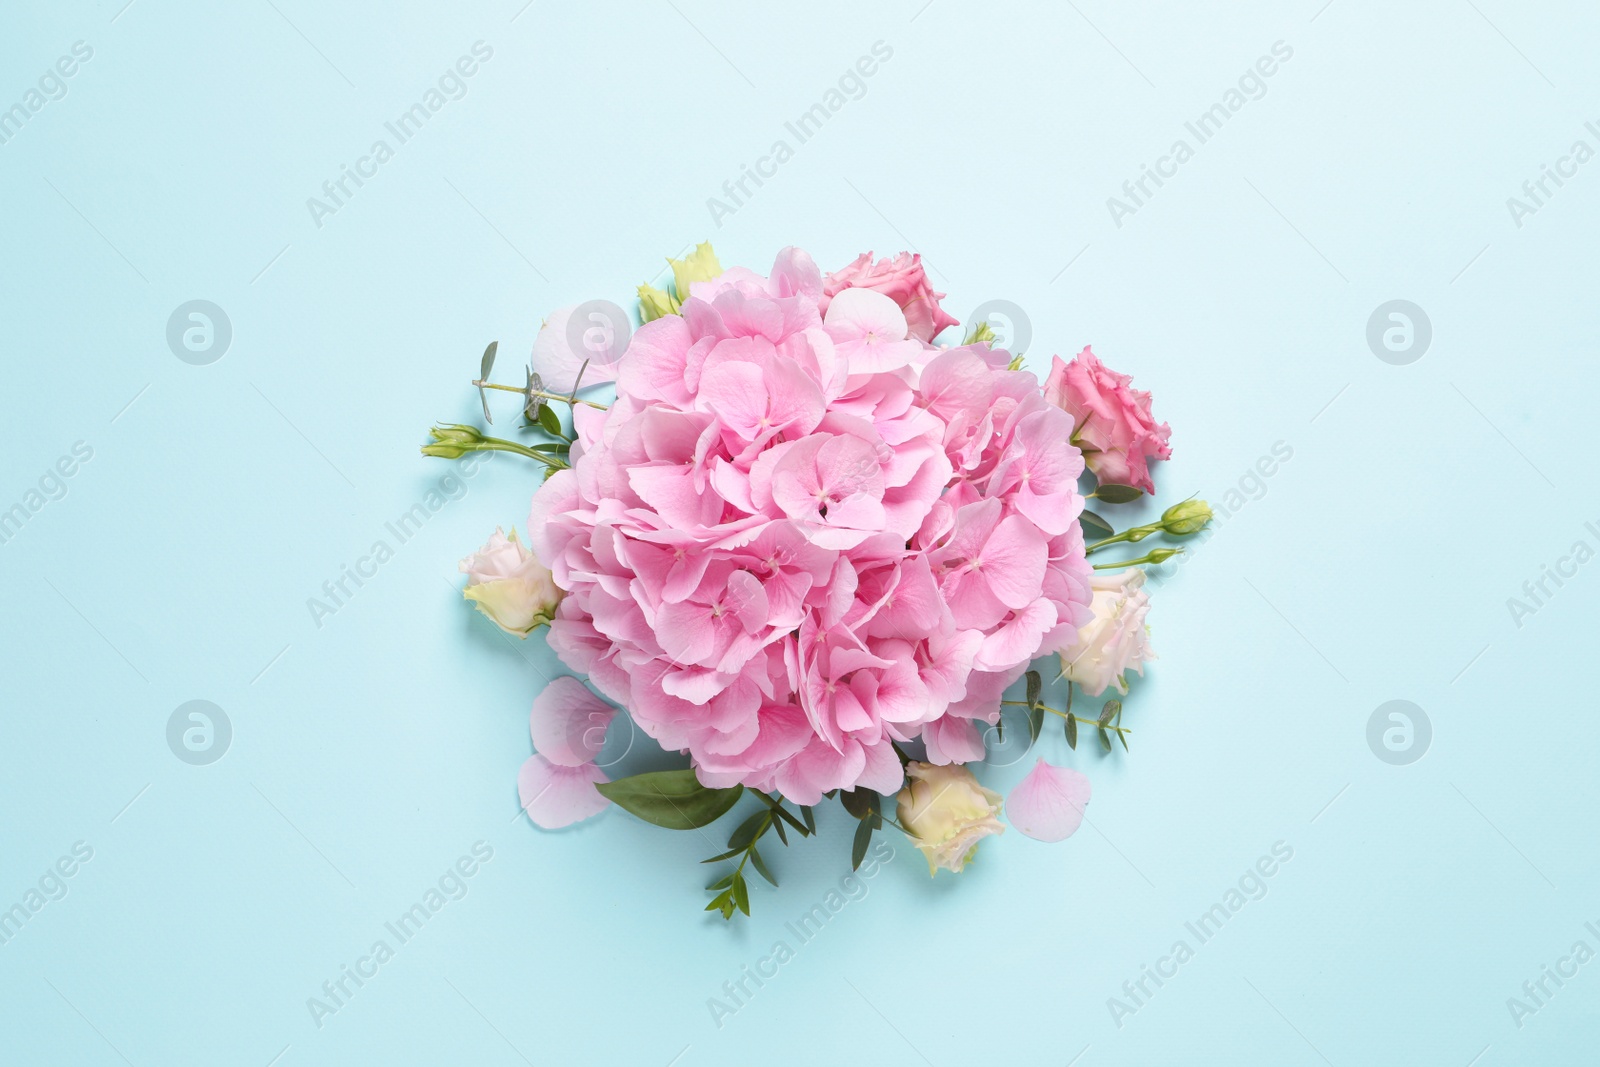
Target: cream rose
{"type": "Point", "coordinates": [509, 585]}
{"type": "Point", "coordinates": [947, 813]}
{"type": "Point", "coordinates": [1116, 640]}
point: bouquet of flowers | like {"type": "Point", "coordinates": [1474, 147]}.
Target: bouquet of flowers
{"type": "Point", "coordinates": [801, 542]}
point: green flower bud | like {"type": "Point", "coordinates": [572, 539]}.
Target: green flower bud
{"type": "Point", "coordinates": [1161, 555]}
{"type": "Point", "coordinates": [982, 333]}
{"type": "Point", "coordinates": [1189, 517]}
{"type": "Point", "coordinates": [653, 303]}
{"type": "Point", "coordinates": [452, 441]}
{"type": "Point", "coordinates": [698, 266]}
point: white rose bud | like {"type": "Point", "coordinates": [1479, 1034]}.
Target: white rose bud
{"type": "Point", "coordinates": [509, 585]}
{"type": "Point", "coordinates": [947, 813]}
{"type": "Point", "coordinates": [1116, 640]}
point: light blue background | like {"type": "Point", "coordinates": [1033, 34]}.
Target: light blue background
{"type": "Point", "coordinates": [368, 754]}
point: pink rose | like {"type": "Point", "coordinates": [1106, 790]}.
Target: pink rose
{"type": "Point", "coordinates": [902, 280]}
{"type": "Point", "coordinates": [1113, 423]}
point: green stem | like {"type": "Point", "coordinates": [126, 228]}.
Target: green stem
{"type": "Point", "coordinates": [1160, 555]}
{"type": "Point", "coordinates": [497, 444]}
{"type": "Point", "coordinates": [1131, 534]}
{"type": "Point", "coordinates": [540, 393]}
{"type": "Point", "coordinates": [1065, 715]}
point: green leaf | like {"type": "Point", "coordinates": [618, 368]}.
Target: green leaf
{"type": "Point", "coordinates": [1094, 526]}
{"type": "Point", "coordinates": [858, 851]}
{"type": "Point", "coordinates": [741, 893]}
{"type": "Point", "coordinates": [761, 866]}
{"type": "Point", "coordinates": [1105, 739]}
{"type": "Point", "coordinates": [721, 883]}
{"type": "Point", "coordinates": [811, 820]}
{"type": "Point", "coordinates": [549, 421]}
{"type": "Point", "coordinates": [1072, 732]}
{"type": "Point", "coordinates": [858, 802]}
{"type": "Point", "coordinates": [1112, 493]}
{"type": "Point", "coordinates": [488, 361]}
{"type": "Point", "coordinates": [719, 857]}
{"type": "Point", "coordinates": [674, 799]}
{"type": "Point", "coordinates": [783, 813]}
{"type": "Point", "coordinates": [1035, 687]}
{"type": "Point", "coordinates": [748, 831]}
{"type": "Point", "coordinates": [1110, 711]}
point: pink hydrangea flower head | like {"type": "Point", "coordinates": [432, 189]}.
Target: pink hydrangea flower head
{"type": "Point", "coordinates": [802, 535]}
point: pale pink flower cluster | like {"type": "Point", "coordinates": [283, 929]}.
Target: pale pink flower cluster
{"type": "Point", "coordinates": [797, 537]}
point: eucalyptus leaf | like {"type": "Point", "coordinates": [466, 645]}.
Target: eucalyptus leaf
{"type": "Point", "coordinates": [783, 813]}
{"type": "Point", "coordinates": [1035, 723]}
{"type": "Point", "coordinates": [858, 850]}
{"type": "Point", "coordinates": [1105, 739]}
{"type": "Point", "coordinates": [857, 802]}
{"type": "Point", "coordinates": [549, 421]}
{"type": "Point", "coordinates": [761, 866]}
{"type": "Point", "coordinates": [1110, 711]}
{"type": "Point", "coordinates": [811, 820]}
{"type": "Point", "coordinates": [674, 799]}
{"type": "Point", "coordinates": [748, 831]}
{"type": "Point", "coordinates": [1112, 493]}
{"type": "Point", "coordinates": [1072, 732]}
{"type": "Point", "coordinates": [1094, 526]}
{"type": "Point", "coordinates": [532, 404]}
{"type": "Point", "coordinates": [1035, 687]}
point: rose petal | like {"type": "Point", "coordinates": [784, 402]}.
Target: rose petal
{"type": "Point", "coordinates": [556, 796]}
{"type": "Point", "coordinates": [1048, 804]}
{"type": "Point", "coordinates": [568, 723]}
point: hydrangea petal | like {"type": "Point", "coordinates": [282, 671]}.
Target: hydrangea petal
{"type": "Point", "coordinates": [555, 796]}
{"type": "Point", "coordinates": [1048, 804]}
{"type": "Point", "coordinates": [568, 723]}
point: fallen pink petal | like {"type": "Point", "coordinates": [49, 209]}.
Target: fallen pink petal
{"type": "Point", "coordinates": [1048, 804]}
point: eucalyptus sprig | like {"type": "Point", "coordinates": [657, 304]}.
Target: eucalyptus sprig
{"type": "Point", "coordinates": [732, 891]}
{"type": "Point", "coordinates": [1106, 724]}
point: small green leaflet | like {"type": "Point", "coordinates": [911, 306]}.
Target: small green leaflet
{"type": "Point", "coordinates": [1035, 710]}
{"type": "Point", "coordinates": [1112, 493]}
{"type": "Point", "coordinates": [1094, 526]}
{"type": "Point", "coordinates": [858, 850]}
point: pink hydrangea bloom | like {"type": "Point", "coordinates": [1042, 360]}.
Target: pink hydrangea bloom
{"type": "Point", "coordinates": [902, 280]}
{"type": "Point", "coordinates": [799, 536]}
{"type": "Point", "coordinates": [1112, 419]}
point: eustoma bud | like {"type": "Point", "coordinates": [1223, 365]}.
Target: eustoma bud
{"type": "Point", "coordinates": [1188, 517]}
{"type": "Point", "coordinates": [452, 441]}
